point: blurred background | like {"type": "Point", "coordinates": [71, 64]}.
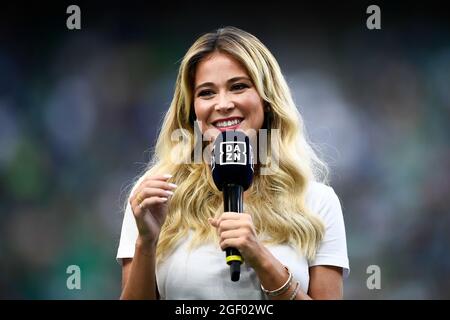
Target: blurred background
{"type": "Point", "coordinates": [80, 111]}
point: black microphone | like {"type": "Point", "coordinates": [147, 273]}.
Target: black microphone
{"type": "Point", "coordinates": [232, 172]}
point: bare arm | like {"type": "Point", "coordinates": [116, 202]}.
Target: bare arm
{"type": "Point", "coordinates": [149, 206]}
{"type": "Point", "coordinates": [325, 282]}
{"type": "Point", "coordinates": [138, 274]}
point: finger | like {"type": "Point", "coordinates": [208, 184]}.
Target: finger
{"type": "Point", "coordinates": [152, 201]}
{"type": "Point", "coordinates": [155, 192]}
{"type": "Point", "coordinates": [233, 243]}
{"type": "Point", "coordinates": [230, 225]}
{"type": "Point", "coordinates": [161, 177]}
{"type": "Point", "coordinates": [231, 234]}
{"type": "Point", "coordinates": [158, 184]}
{"type": "Point", "coordinates": [140, 208]}
{"type": "Point", "coordinates": [145, 193]}
{"type": "Point", "coordinates": [157, 178]}
{"type": "Point", "coordinates": [213, 222]}
{"type": "Point", "coordinates": [229, 216]}
{"type": "Point", "coordinates": [150, 184]}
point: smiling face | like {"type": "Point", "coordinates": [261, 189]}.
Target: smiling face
{"type": "Point", "coordinates": [225, 97]}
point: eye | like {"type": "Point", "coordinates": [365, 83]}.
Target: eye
{"type": "Point", "coordinates": [205, 93]}
{"type": "Point", "coordinates": [239, 86]}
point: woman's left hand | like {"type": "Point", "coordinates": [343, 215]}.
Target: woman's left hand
{"type": "Point", "coordinates": [237, 230]}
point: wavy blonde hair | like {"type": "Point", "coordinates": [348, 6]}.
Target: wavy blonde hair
{"type": "Point", "coordinates": [276, 202]}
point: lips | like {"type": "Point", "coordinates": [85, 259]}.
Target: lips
{"type": "Point", "coordinates": [227, 123]}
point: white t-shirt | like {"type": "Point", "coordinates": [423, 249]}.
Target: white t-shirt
{"type": "Point", "coordinates": [202, 273]}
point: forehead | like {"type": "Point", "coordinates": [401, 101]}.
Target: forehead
{"type": "Point", "coordinates": [217, 66]}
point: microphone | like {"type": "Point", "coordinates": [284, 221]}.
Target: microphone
{"type": "Point", "coordinates": [232, 172]}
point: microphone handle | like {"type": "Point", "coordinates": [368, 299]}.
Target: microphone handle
{"type": "Point", "coordinates": [233, 200]}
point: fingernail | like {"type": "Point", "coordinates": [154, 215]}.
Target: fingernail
{"type": "Point", "coordinates": [163, 199]}
{"type": "Point", "coordinates": [167, 175]}
{"type": "Point", "coordinates": [170, 193]}
{"type": "Point", "coordinates": [173, 185]}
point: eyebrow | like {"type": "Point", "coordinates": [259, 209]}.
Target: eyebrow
{"type": "Point", "coordinates": [209, 84]}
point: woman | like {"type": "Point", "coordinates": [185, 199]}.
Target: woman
{"type": "Point", "coordinates": [291, 236]}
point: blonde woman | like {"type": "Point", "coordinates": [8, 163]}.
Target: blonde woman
{"type": "Point", "coordinates": [292, 234]}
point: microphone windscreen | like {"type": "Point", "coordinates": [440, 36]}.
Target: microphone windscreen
{"type": "Point", "coordinates": [232, 159]}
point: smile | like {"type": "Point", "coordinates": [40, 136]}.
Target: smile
{"type": "Point", "coordinates": [227, 123]}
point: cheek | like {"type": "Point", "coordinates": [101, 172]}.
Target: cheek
{"type": "Point", "coordinates": [255, 109]}
{"type": "Point", "coordinates": [201, 111]}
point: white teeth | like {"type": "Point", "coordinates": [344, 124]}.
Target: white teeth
{"type": "Point", "coordinates": [228, 123]}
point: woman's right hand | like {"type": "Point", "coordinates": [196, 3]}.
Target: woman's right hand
{"type": "Point", "coordinates": [149, 205]}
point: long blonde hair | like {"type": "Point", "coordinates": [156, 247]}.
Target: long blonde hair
{"type": "Point", "coordinates": [276, 201]}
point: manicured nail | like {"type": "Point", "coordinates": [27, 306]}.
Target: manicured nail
{"type": "Point", "coordinates": [173, 185]}
{"type": "Point", "coordinates": [167, 176]}
{"type": "Point", "coordinates": [163, 199]}
{"type": "Point", "coordinates": [170, 193]}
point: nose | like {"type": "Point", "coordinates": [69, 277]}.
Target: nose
{"type": "Point", "coordinates": [224, 104]}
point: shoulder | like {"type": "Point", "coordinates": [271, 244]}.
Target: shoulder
{"type": "Point", "coordinates": [322, 200]}
{"type": "Point", "coordinates": [318, 193]}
